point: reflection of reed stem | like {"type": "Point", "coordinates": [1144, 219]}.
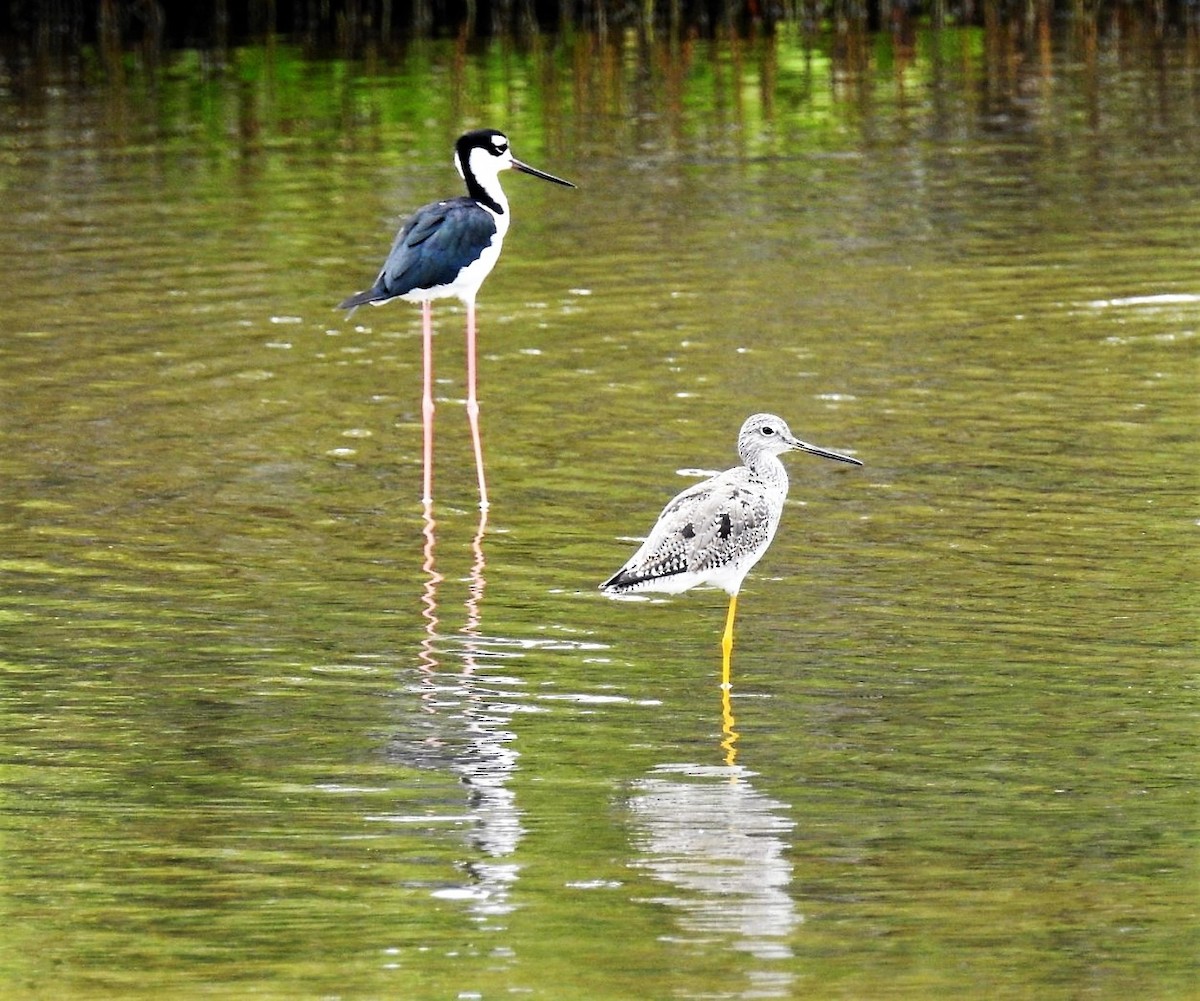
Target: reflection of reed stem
{"type": "Point", "coordinates": [354, 30]}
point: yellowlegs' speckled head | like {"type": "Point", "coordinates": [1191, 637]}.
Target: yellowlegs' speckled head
{"type": "Point", "coordinates": [766, 434]}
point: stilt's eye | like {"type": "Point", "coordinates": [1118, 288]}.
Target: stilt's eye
{"type": "Point", "coordinates": [499, 145]}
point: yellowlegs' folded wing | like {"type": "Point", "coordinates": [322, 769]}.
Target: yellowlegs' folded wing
{"type": "Point", "coordinates": [709, 525]}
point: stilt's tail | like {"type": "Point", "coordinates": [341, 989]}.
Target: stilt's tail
{"type": "Point", "coordinates": [374, 295]}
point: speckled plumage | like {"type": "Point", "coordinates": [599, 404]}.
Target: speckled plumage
{"type": "Point", "coordinates": [714, 532]}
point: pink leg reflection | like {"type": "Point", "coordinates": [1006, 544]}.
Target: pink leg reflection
{"type": "Point", "coordinates": [427, 654]}
{"type": "Point", "coordinates": [475, 587]}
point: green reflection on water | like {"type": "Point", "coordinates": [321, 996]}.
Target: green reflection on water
{"type": "Point", "coordinates": [263, 734]}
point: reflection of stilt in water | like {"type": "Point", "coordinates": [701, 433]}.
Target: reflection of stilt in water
{"type": "Point", "coordinates": [487, 761]}
{"type": "Point", "coordinates": [729, 735]}
{"type": "Point", "coordinates": [472, 736]}
{"type": "Point", "coordinates": [427, 653]}
{"type": "Point", "coordinates": [476, 584]}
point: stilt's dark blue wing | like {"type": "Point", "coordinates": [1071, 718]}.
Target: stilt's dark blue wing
{"type": "Point", "coordinates": [432, 247]}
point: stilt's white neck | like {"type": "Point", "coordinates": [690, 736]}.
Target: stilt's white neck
{"type": "Point", "coordinates": [481, 173]}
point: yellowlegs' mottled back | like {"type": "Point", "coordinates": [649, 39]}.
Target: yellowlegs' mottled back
{"type": "Point", "coordinates": [445, 250]}
{"type": "Point", "coordinates": [715, 531]}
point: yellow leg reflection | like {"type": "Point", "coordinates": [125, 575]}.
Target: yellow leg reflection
{"type": "Point", "coordinates": [729, 735]}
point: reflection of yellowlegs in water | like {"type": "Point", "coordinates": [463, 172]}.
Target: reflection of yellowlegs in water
{"type": "Point", "coordinates": [719, 851]}
{"type": "Point", "coordinates": [729, 735]}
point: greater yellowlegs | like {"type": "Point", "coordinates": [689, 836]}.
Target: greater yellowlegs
{"type": "Point", "coordinates": [715, 531]}
{"type": "Point", "coordinates": [445, 250]}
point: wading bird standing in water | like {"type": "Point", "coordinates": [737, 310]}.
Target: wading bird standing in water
{"type": "Point", "coordinates": [445, 250]}
{"type": "Point", "coordinates": [715, 531]}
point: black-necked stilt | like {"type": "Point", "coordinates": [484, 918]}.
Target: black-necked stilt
{"type": "Point", "coordinates": [445, 250]}
{"type": "Point", "coordinates": [715, 531]}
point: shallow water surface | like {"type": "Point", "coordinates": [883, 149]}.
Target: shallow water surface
{"type": "Point", "coordinates": [271, 728]}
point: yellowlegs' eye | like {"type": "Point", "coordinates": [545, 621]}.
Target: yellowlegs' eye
{"type": "Point", "coordinates": [768, 430]}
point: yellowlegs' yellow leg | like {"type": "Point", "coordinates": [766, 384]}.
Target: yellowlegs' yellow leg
{"type": "Point", "coordinates": [727, 642]}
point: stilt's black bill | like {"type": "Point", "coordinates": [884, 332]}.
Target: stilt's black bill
{"type": "Point", "coordinates": [526, 169]}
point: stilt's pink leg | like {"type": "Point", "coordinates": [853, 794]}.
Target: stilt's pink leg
{"type": "Point", "coordinates": [473, 405]}
{"type": "Point", "coordinates": [427, 396]}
